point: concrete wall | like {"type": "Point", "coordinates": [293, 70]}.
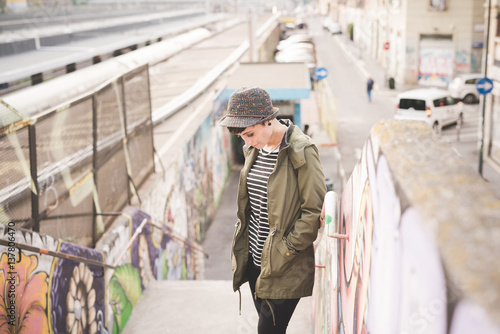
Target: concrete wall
{"type": "Point", "coordinates": [422, 253]}
{"type": "Point", "coordinates": [268, 45]}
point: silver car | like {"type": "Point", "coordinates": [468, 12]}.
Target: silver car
{"type": "Point", "coordinates": [463, 87]}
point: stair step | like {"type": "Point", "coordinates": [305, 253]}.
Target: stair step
{"type": "Point", "coordinates": [206, 307]}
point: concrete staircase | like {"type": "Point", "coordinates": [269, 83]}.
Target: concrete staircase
{"type": "Point", "coordinates": [203, 307]}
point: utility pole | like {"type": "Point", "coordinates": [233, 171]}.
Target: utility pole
{"type": "Point", "coordinates": [484, 96]}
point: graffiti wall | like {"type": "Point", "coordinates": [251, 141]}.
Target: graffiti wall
{"type": "Point", "coordinates": [436, 62]}
{"type": "Point", "coordinates": [53, 286]}
{"type": "Point", "coordinates": [390, 274]}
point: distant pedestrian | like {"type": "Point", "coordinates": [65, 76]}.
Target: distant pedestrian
{"type": "Point", "coordinates": [280, 196]}
{"type": "Point", "coordinates": [369, 88]}
{"type": "Point", "coordinates": [306, 130]}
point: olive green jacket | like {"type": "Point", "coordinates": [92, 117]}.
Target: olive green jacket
{"type": "Point", "coordinates": [296, 189]}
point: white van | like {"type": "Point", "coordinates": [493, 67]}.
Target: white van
{"type": "Point", "coordinates": [432, 105]}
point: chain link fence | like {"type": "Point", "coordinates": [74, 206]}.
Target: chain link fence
{"type": "Point", "coordinates": [68, 171]}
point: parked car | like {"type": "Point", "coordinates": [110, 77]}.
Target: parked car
{"type": "Point", "coordinates": [290, 43]}
{"type": "Point", "coordinates": [296, 56]}
{"type": "Point", "coordinates": [296, 48]}
{"type": "Point", "coordinates": [330, 25]}
{"type": "Point", "coordinates": [434, 106]}
{"type": "Point", "coordinates": [463, 87]}
{"type": "Point", "coordinates": [298, 38]}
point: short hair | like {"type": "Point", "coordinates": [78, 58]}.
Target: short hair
{"type": "Point", "coordinates": [237, 131]}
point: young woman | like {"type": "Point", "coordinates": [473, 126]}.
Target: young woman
{"type": "Point", "coordinates": [280, 196]}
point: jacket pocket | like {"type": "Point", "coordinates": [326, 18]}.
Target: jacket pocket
{"type": "Point", "coordinates": [281, 258]}
{"type": "Point", "coordinates": [237, 227]}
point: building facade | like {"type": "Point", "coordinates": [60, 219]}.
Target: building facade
{"type": "Point", "coordinates": [425, 42]}
{"type": "Point", "coordinates": [491, 143]}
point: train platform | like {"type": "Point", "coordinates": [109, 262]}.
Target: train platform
{"type": "Point", "coordinates": [27, 53]}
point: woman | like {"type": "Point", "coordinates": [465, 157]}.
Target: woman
{"type": "Point", "coordinates": [280, 195]}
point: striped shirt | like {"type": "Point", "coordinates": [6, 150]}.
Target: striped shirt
{"type": "Point", "coordinates": [257, 191]}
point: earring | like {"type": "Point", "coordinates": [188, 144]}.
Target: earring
{"type": "Point", "coordinates": [269, 123]}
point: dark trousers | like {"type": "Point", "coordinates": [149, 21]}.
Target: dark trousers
{"type": "Point", "coordinates": [274, 314]}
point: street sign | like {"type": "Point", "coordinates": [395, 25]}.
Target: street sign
{"type": "Point", "coordinates": [320, 73]}
{"type": "Point", "coordinates": [484, 86]}
{"type": "Point", "coordinates": [386, 46]}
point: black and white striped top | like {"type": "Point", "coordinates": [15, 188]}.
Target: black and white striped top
{"type": "Point", "coordinates": [257, 191]}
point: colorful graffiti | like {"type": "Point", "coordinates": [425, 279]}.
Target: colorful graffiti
{"type": "Point", "coordinates": [23, 299]}
{"type": "Point", "coordinates": [125, 290]}
{"type": "Point", "coordinates": [435, 66]}
{"type": "Point", "coordinates": [388, 275]}
{"type": "Point", "coordinates": [47, 294]}
{"type": "Point", "coordinates": [462, 60]}
{"type": "Point", "coordinates": [74, 306]}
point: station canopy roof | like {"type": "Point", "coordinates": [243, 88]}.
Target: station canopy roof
{"type": "Point", "coordinates": [283, 81]}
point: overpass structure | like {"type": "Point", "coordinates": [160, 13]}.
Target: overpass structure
{"type": "Point", "coordinates": [31, 55]}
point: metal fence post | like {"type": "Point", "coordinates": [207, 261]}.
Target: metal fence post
{"type": "Point", "coordinates": [35, 214]}
{"type": "Point", "coordinates": [95, 196]}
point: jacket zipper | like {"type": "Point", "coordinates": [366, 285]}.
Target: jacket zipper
{"type": "Point", "coordinates": [273, 232]}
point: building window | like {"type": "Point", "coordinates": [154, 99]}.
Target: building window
{"type": "Point", "coordinates": [438, 5]}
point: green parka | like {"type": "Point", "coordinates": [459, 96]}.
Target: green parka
{"type": "Point", "coordinates": [295, 192]}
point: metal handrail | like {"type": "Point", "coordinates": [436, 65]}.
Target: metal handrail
{"type": "Point", "coordinates": [131, 241]}
{"type": "Point", "coordinates": [76, 258]}
{"type": "Point", "coordinates": [60, 255]}
{"type": "Point", "coordinates": [186, 242]}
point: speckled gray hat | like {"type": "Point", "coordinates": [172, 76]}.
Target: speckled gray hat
{"type": "Point", "coordinates": [248, 107]}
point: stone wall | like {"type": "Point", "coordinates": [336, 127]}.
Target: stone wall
{"type": "Point", "coordinates": [422, 251]}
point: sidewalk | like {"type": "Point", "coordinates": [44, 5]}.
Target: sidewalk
{"type": "Point", "coordinates": [368, 66]}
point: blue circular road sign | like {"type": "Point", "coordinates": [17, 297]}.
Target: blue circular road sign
{"type": "Point", "coordinates": [320, 73]}
{"type": "Point", "coordinates": [484, 86]}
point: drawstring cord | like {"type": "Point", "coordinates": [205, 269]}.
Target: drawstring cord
{"type": "Point", "coordinates": [239, 292]}
{"type": "Point", "coordinates": [272, 311]}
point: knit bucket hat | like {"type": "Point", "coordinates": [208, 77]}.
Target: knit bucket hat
{"type": "Point", "coordinates": [248, 107]}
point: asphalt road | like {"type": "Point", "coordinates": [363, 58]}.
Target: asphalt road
{"type": "Point", "coordinates": [355, 114]}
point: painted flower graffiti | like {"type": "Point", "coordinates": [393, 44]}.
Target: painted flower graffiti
{"type": "Point", "coordinates": [80, 302]}
{"type": "Point", "coordinates": [77, 293]}
{"type": "Point", "coordinates": [28, 300]}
